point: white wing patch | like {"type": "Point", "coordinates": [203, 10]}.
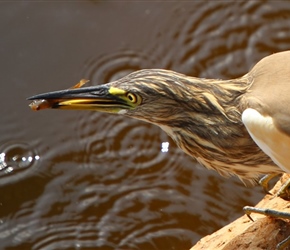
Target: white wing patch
{"type": "Point", "coordinates": [273, 142]}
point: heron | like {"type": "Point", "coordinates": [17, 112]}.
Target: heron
{"type": "Point", "coordinates": [237, 127]}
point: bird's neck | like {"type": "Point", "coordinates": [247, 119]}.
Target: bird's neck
{"type": "Point", "coordinates": [212, 131]}
{"type": "Point", "coordinates": [210, 109]}
{"type": "Point", "coordinates": [213, 99]}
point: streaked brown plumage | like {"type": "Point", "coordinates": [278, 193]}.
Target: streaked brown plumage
{"type": "Point", "coordinates": [205, 121]}
{"type": "Point", "coordinates": [205, 117]}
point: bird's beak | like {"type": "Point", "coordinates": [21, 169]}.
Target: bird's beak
{"type": "Point", "coordinates": [104, 98]}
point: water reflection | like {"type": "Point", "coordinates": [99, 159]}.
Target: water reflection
{"type": "Point", "coordinates": [165, 147]}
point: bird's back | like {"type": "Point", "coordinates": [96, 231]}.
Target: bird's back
{"type": "Point", "coordinates": [266, 107]}
{"type": "Point", "coordinates": [270, 90]}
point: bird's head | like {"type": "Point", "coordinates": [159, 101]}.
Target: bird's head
{"type": "Point", "coordinates": [151, 95]}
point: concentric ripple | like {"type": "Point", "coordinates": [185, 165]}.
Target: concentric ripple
{"type": "Point", "coordinates": [113, 66]}
{"type": "Point", "coordinates": [114, 138]}
{"type": "Point", "coordinates": [236, 42]}
{"type": "Point", "coordinates": [112, 182]}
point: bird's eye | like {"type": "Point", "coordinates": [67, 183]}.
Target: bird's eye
{"type": "Point", "coordinates": [132, 97]}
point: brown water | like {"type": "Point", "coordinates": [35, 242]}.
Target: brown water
{"type": "Point", "coordinates": [85, 180]}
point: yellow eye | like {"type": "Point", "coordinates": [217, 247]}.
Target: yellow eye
{"type": "Point", "coordinates": [132, 97]}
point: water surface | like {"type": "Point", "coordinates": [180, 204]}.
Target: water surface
{"type": "Point", "coordinates": [85, 180]}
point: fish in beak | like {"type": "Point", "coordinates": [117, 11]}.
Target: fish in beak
{"type": "Point", "coordinates": [103, 98]}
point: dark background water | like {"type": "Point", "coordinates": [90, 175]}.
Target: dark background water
{"type": "Point", "coordinates": [85, 180]}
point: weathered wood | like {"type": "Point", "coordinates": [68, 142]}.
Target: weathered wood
{"type": "Point", "coordinates": [262, 233]}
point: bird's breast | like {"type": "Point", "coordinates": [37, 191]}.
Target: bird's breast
{"type": "Point", "coordinates": [228, 154]}
{"type": "Point", "coordinates": [268, 137]}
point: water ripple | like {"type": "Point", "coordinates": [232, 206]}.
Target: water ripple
{"type": "Point", "coordinates": [116, 183]}
{"type": "Point", "coordinates": [113, 66]}
{"type": "Point", "coordinates": [238, 32]}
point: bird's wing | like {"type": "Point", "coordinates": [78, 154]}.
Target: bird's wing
{"type": "Point", "coordinates": [273, 142]}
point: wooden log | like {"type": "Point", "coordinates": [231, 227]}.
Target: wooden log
{"type": "Point", "coordinates": [264, 232]}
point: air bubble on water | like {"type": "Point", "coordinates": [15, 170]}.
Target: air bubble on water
{"type": "Point", "coordinates": [17, 156]}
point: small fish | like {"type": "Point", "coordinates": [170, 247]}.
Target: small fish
{"type": "Point", "coordinates": [40, 104]}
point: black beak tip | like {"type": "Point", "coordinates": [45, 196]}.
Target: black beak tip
{"type": "Point", "coordinates": [40, 96]}
{"type": "Point", "coordinates": [31, 98]}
